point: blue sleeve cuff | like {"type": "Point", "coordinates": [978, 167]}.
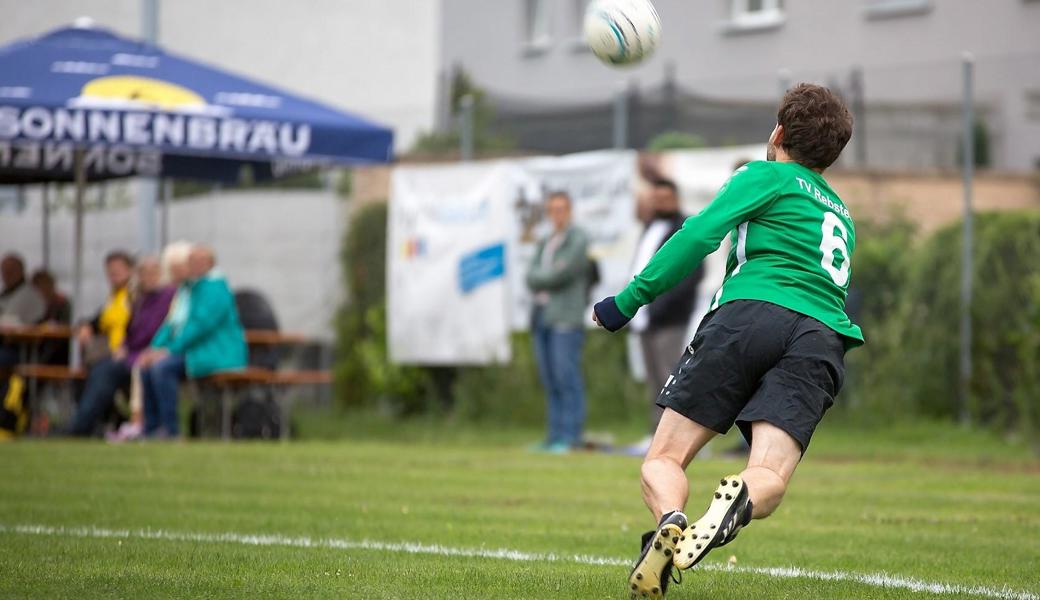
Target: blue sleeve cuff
{"type": "Point", "coordinates": [609, 315]}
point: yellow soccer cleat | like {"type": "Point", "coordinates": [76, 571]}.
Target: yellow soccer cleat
{"type": "Point", "coordinates": [650, 577]}
{"type": "Point", "coordinates": [729, 511]}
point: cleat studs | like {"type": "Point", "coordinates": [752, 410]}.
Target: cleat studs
{"type": "Point", "coordinates": [657, 545]}
{"type": "Point", "coordinates": [675, 540]}
{"type": "Point", "coordinates": [704, 537]}
{"type": "Point", "coordinates": [728, 497]}
{"type": "Point", "coordinates": [717, 495]}
{"type": "Point", "coordinates": [655, 590]}
{"type": "Point", "coordinates": [713, 527]}
{"type": "Point", "coordinates": [667, 552]}
{"type": "Point", "coordinates": [634, 586]}
{"type": "Point", "coordinates": [690, 555]}
{"type": "Point", "coordinates": [724, 482]}
{"type": "Point", "coordinates": [698, 547]}
{"type": "Point", "coordinates": [639, 575]}
{"type": "Point", "coordinates": [736, 483]}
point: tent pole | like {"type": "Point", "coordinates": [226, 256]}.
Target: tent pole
{"type": "Point", "coordinates": [165, 191]}
{"type": "Point", "coordinates": [46, 233]}
{"type": "Point", "coordinates": [77, 250]}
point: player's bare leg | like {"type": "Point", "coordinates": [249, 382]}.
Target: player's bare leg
{"type": "Point", "coordinates": [676, 441]}
{"type": "Point", "coordinates": [774, 457]}
{"type": "Point", "coordinates": [754, 494]}
{"type": "Point", "coordinates": [665, 489]}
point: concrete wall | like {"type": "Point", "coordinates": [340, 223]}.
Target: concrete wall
{"type": "Point", "coordinates": [283, 243]}
{"type": "Point", "coordinates": [378, 59]}
{"type": "Point", "coordinates": [931, 200]}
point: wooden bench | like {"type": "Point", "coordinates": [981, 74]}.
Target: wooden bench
{"type": "Point", "coordinates": [226, 382]}
{"type": "Point", "coordinates": [60, 373]}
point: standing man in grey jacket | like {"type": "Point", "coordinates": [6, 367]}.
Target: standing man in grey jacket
{"type": "Point", "coordinates": [559, 278]}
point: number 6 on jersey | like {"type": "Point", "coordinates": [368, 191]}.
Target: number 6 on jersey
{"type": "Point", "coordinates": [832, 243]}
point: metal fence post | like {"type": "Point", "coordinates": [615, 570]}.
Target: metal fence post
{"type": "Point", "coordinates": [968, 235]}
{"type": "Point", "coordinates": [783, 81]}
{"type": "Point", "coordinates": [621, 117]}
{"type": "Point", "coordinates": [859, 113]}
{"type": "Point", "coordinates": [466, 127]}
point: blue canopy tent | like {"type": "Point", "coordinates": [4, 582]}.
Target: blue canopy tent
{"type": "Point", "coordinates": [136, 109]}
{"type": "Point", "coordinates": [84, 104]}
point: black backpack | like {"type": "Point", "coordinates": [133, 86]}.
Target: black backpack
{"type": "Point", "coordinates": [256, 417]}
{"type": "Point", "coordinates": [593, 279]}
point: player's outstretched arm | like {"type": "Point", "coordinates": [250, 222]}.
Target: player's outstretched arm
{"type": "Point", "coordinates": [748, 193]}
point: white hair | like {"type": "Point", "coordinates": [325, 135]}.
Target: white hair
{"type": "Point", "coordinates": [174, 253]}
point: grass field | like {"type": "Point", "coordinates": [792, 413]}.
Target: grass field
{"type": "Point", "coordinates": [419, 513]}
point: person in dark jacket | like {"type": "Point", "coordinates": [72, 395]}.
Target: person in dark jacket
{"type": "Point", "coordinates": [58, 312]}
{"type": "Point", "coordinates": [149, 307]}
{"type": "Point", "coordinates": [662, 324]}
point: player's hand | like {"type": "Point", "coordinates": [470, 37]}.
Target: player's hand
{"type": "Point", "coordinates": [607, 315]}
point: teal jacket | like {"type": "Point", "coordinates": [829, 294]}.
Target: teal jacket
{"type": "Point", "coordinates": [566, 280]}
{"type": "Point", "coordinates": [211, 338]}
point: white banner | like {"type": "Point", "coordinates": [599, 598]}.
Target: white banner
{"type": "Point", "coordinates": [602, 188]}
{"type": "Point", "coordinates": [446, 252]}
{"type": "Point", "coordinates": [462, 236]}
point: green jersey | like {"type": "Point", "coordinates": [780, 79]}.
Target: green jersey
{"type": "Point", "coordinates": [793, 240]}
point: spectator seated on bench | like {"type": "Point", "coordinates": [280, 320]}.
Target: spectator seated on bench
{"type": "Point", "coordinates": [58, 312]}
{"type": "Point", "coordinates": [149, 306]}
{"type": "Point", "coordinates": [20, 303]}
{"type": "Point", "coordinates": [201, 336]}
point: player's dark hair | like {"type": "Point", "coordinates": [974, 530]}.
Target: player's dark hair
{"type": "Point", "coordinates": [816, 123]}
{"type": "Point", "coordinates": [664, 182]}
{"type": "Point", "coordinates": [121, 256]}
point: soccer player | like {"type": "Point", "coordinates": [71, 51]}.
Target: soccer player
{"type": "Point", "coordinates": [769, 356]}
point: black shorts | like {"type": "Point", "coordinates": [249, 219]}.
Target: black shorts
{"type": "Point", "coordinates": [756, 361]}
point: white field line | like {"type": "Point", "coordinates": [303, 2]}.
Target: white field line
{"type": "Point", "coordinates": [880, 580]}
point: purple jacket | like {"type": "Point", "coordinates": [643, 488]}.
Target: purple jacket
{"type": "Point", "coordinates": [146, 316]}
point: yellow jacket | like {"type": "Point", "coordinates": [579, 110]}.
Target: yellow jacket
{"type": "Point", "coordinates": [114, 317]}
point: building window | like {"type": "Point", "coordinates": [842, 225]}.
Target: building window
{"type": "Point", "coordinates": [885, 9]}
{"type": "Point", "coordinates": [536, 25]}
{"type": "Point", "coordinates": [755, 15]}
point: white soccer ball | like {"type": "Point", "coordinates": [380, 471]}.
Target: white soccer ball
{"type": "Point", "coordinates": [622, 32]}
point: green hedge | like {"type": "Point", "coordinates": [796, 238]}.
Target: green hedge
{"type": "Point", "coordinates": [910, 314]}
{"type": "Point", "coordinates": [513, 395]}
